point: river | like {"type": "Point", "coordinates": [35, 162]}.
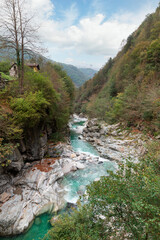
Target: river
{"type": "Point", "coordinates": [74, 183]}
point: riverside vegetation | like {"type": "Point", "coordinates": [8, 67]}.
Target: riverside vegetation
{"type": "Point", "coordinates": [47, 100]}
{"type": "Point", "coordinates": [125, 204]}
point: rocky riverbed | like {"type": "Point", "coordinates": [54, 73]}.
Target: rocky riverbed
{"type": "Point", "coordinates": [36, 188]}
{"type": "Point", "coordinates": [114, 143]}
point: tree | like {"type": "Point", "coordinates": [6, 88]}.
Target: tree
{"type": "Point", "coordinates": [17, 32]}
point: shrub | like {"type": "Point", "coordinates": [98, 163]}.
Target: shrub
{"type": "Point", "coordinates": [4, 67]}
{"type": "Point", "coordinates": [153, 55]}
{"type": "Point", "coordinates": [29, 110]}
{"type": "Point", "coordinates": [79, 225]}
{"type": "Point", "coordinates": [123, 205]}
{"type": "Point", "coordinates": [6, 149]}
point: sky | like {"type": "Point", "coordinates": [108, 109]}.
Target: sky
{"type": "Point", "coordinates": [86, 33]}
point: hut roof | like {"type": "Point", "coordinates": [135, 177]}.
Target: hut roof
{"type": "Point", "coordinates": [13, 65]}
{"type": "Point", "coordinates": [33, 65]}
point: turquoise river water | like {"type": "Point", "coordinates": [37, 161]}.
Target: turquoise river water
{"type": "Point", "coordinates": [74, 182]}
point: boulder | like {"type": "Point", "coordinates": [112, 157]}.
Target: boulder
{"type": "Point", "coordinates": [80, 165]}
{"type": "Point", "coordinates": [95, 128]}
{"type": "Point", "coordinates": [16, 161]}
{"type": "Point", "coordinates": [80, 137]}
{"type": "Point", "coordinates": [158, 137]}
{"type": "Point", "coordinates": [9, 213]}
{"type": "Point", "coordinates": [4, 197]}
{"type": "Point", "coordinates": [5, 182]}
{"type": "Point", "coordinates": [73, 155]}
{"type": "Point", "coordinates": [38, 221]}
{"type": "Point", "coordinates": [69, 167]}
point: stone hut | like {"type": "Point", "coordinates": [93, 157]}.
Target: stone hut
{"type": "Point", "coordinates": [34, 66]}
{"type": "Point", "coordinates": [13, 72]}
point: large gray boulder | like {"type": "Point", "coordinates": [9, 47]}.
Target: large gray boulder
{"type": "Point", "coordinates": [16, 161]}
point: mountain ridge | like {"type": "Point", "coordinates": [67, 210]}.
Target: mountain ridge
{"type": "Point", "coordinates": [127, 88]}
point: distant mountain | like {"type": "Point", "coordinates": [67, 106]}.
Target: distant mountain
{"type": "Point", "coordinates": [78, 75]}
{"type": "Point", "coordinates": [89, 72]}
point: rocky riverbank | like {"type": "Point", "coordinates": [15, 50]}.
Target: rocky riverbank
{"type": "Point", "coordinates": [35, 189]}
{"type": "Point", "coordinates": [114, 143]}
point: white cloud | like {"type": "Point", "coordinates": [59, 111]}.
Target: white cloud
{"type": "Point", "coordinates": [94, 35]}
{"type": "Point", "coordinates": [69, 60]}
{"type": "Point", "coordinates": [70, 15]}
{"type": "Point", "coordinates": [44, 8]}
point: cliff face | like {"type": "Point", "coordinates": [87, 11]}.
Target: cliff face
{"type": "Point", "coordinates": [127, 88]}
{"type": "Point", "coordinates": [32, 147]}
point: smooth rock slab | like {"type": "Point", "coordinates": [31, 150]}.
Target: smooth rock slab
{"type": "Point", "coordinates": [10, 211]}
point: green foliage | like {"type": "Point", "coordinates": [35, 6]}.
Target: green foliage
{"type": "Point", "coordinates": [92, 87]}
{"type": "Point", "coordinates": [7, 77]}
{"type": "Point", "coordinates": [29, 110]}
{"type": "Point", "coordinates": [155, 31]}
{"type": "Point", "coordinates": [153, 54]}
{"type": "Point", "coordinates": [58, 137]}
{"type": "Point", "coordinates": [123, 205]}
{"type": "Point", "coordinates": [116, 108]}
{"type": "Point", "coordinates": [38, 82]}
{"type": "Point", "coordinates": [6, 149]}
{"type": "Point", "coordinates": [79, 225]}
{"type": "Point", "coordinates": [112, 89]}
{"type": "Point", "coordinates": [148, 115]}
{"type": "Point", "coordinates": [9, 130]}
{"type": "Point", "coordinates": [148, 25]}
{"type": "Point", "coordinates": [47, 99]}
{"type": "Point", "coordinates": [128, 45]}
{"type": "Point", "coordinates": [4, 67]}
{"type": "Point", "coordinates": [129, 199]}
{"type": "Point", "coordinates": [67, 81]}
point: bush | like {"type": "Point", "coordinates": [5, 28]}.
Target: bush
{"type": "Point", "coordinates": [148, 115]}
{"type": "Point", "coordinates": [123, 205]}
{"type": "Point", "coordinates": [4, 67]}
{"type": "Point", "coordinates": [38, 82]}
{"type": "Point", "coordinates": [116, 109]}
{"type": "Point", "coordinates": [79, 225]}
{"type": "Point", "coordinates": [6, 149]}
{"type": "Point", "coordinates": [153, 55]}
{"type": "Point", "coordinates": [30, 110]}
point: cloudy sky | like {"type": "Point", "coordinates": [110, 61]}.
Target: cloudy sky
{"type": "Point", "coordinates": [87, 32]}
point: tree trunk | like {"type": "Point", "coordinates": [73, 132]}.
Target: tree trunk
{"type": "Point", "coordinates": [16, 41]}
{"type": "Point", "coordinates": [22, 48]}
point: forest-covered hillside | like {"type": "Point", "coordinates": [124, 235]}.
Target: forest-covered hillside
{"type": "Point", "coordinates": [127, 88]}
{"type": "Point", "coordinates": [78, 75]}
